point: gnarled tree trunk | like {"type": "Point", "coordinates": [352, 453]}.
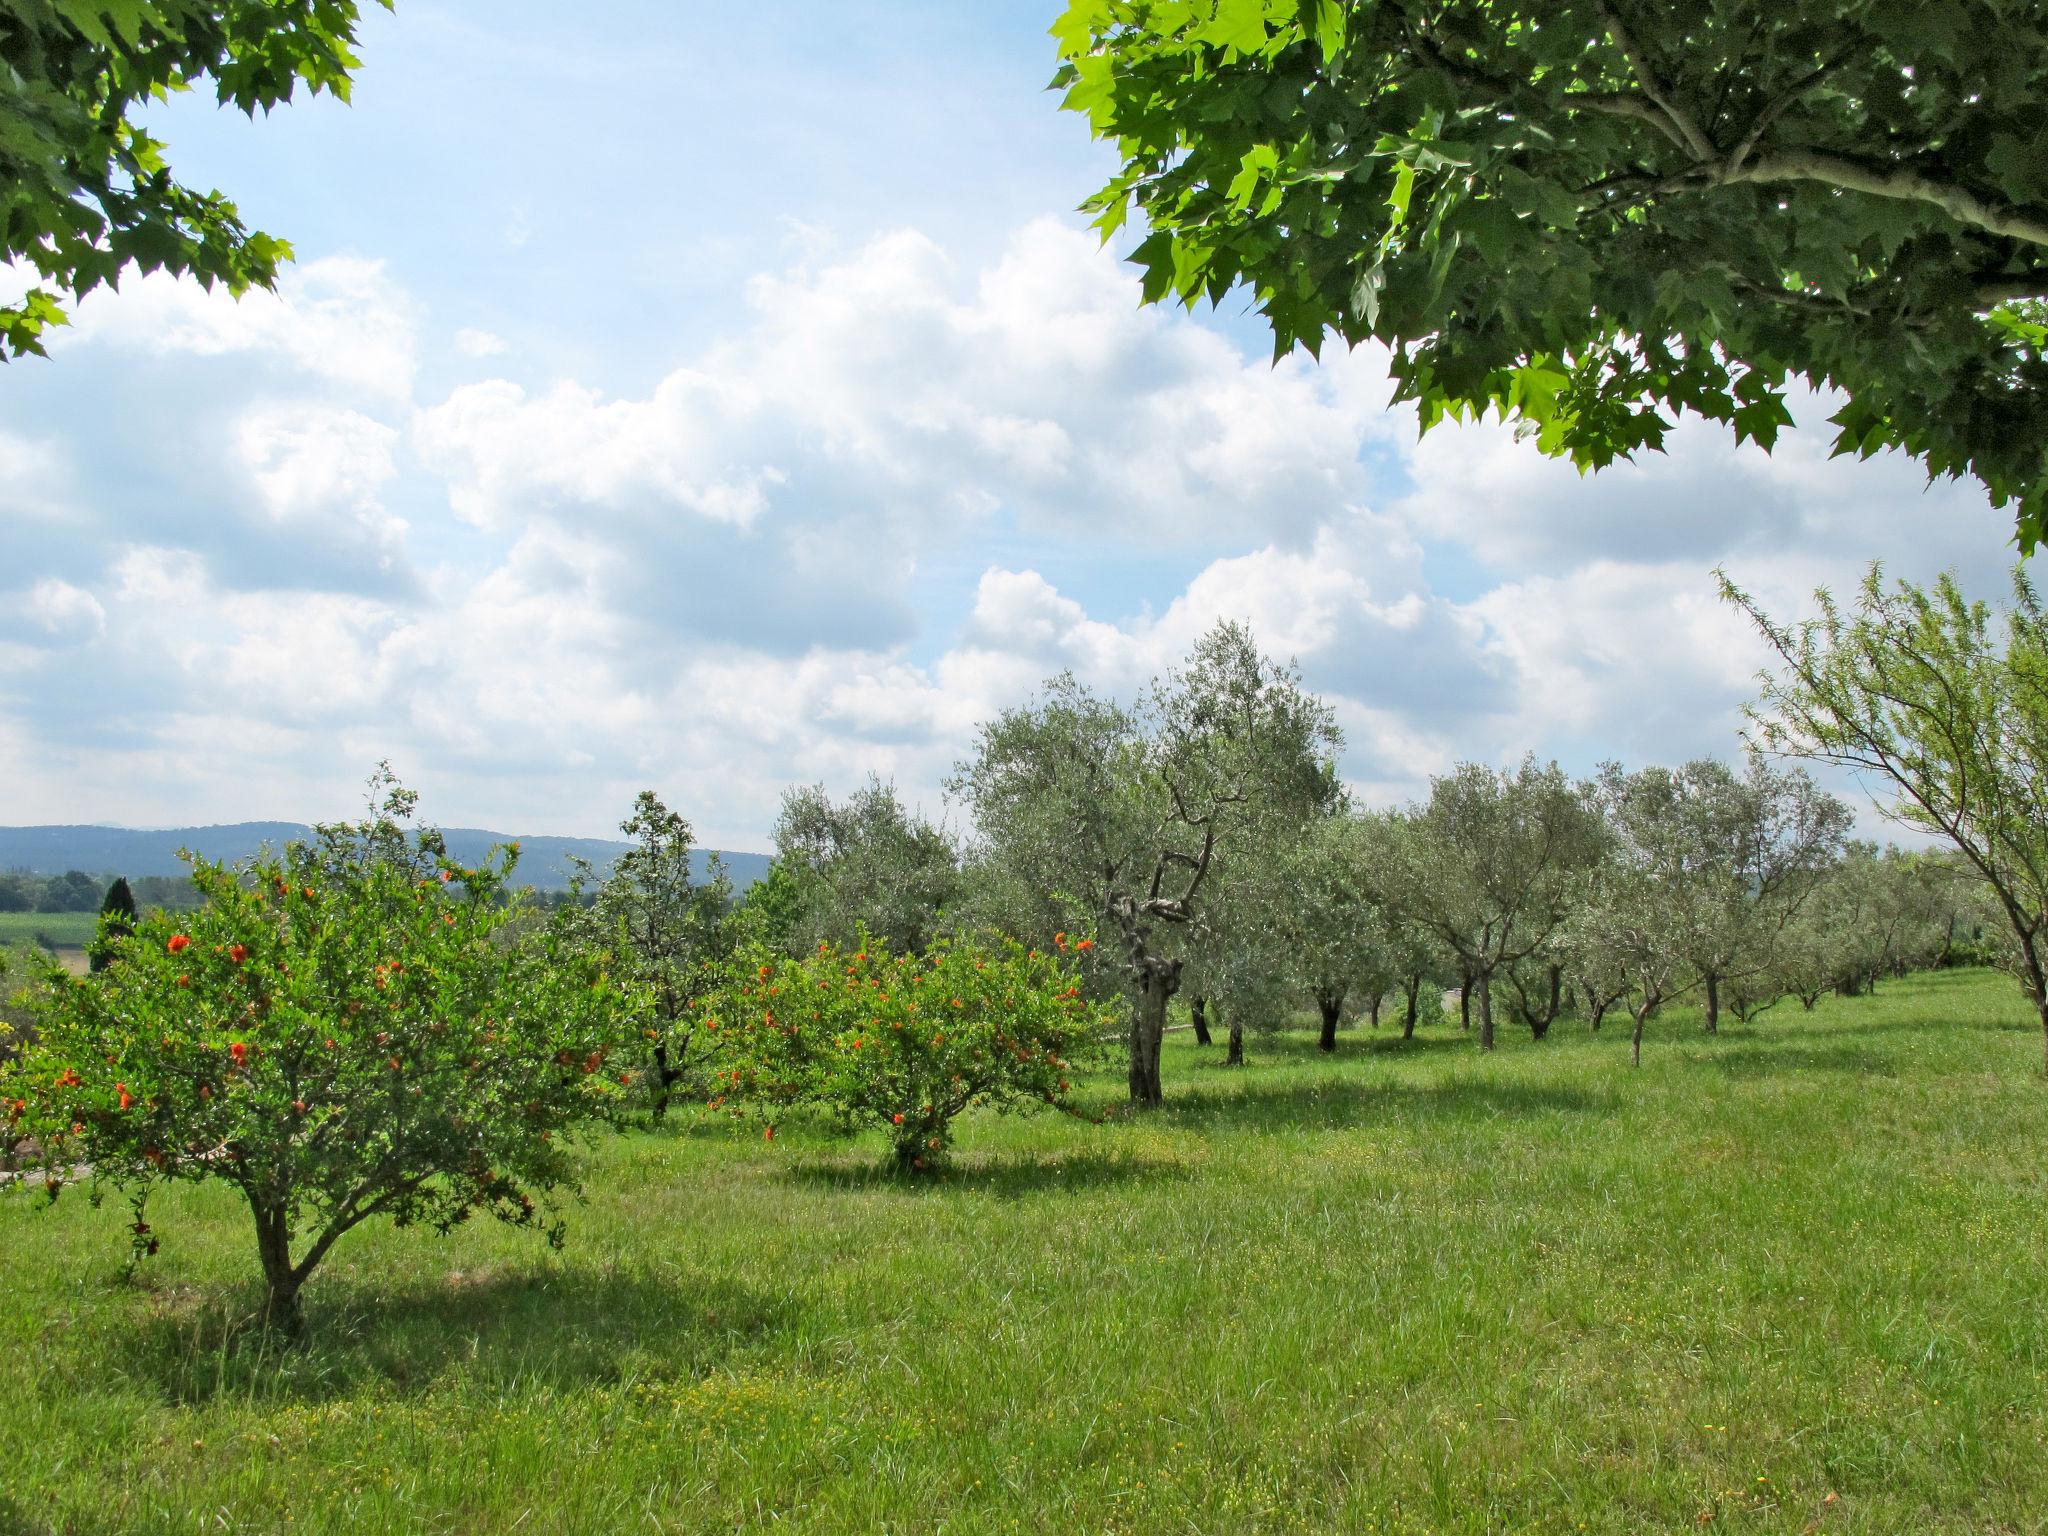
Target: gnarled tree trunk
{"type": "Point", "coordinates": [1485, 985]}
{"type": "Point", "coordinates": [1713, 981]}
{"type": "Point", "coordinates": [1148, 1030]}
{"type": "Point", "coordinates": [1236, 1056]}
{"type": "Point", "coordinates": [1198, 1010]}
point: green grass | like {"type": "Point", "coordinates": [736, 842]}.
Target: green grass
{"type": "Point", "coordinates": [64, 930]}
{"type": "Point", "coordinates": [1787, 1279]}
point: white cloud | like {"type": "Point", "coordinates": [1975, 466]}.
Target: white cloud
{"type": "Point", "coordinates": [471, 342]}
{"type": "Point", "coordinates": [889, 501]}
{"type": "Point", "coordinates": [65, 613]}
{"type": "Point", "coordinates": [882, 388]}
{"type": "Point", "coordinates": [340, 319]}
{"type": "Point", "coordinates": [313, 463]}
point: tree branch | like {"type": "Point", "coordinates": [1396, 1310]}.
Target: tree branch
{"type": "Point", "coordinates": [1687, 132]}
{"type": "Point", "coordinates": [1890, 181]}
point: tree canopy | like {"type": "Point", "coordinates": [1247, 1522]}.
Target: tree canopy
{"type": "Point", "coordinates": [87, 190]}
{"type": "Point", "coordinates": [1593, 216]}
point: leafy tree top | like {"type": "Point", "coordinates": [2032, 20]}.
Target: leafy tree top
{"type": "Point", "coordinates": [1592, 216]}
{"type": "Point", "coordinates": [87, 191]}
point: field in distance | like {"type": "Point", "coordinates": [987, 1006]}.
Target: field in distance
{"type": "Point", "coordinates": [53, 930]}
{"type": "Point", "coordinates": [1786, 1279]}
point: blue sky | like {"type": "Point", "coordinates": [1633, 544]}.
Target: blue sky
{"type": "Point", "coordinates": [721, 398]}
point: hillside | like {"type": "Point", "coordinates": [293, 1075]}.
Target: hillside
{"type": "Point", "coordinates": [544, 861]}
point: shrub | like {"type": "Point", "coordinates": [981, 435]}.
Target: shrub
{"type": "Point", "coordinates": [345, 1031]}
{"type": "Point", "coordinates": [902, 1042]}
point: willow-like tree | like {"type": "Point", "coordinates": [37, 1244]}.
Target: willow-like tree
{"type": "Point", "coordinates": [1593, 215]}
{"type": "Point", "coordinates": [1923, 690]}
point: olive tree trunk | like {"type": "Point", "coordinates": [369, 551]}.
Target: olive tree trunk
{"type": "Point", "coordinates": [1148, 1032]}
{"type": "Point", "coordinates": [1198, 1010]}
{"type": "Point", "coordinates": [1330, 1004]}
{"type": "Point", "coordinates": [1414, 985]}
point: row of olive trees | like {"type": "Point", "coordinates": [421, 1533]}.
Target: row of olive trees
{"type": "Point", "coordinates": [1203, 832]}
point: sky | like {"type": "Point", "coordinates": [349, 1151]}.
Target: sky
{"type": "Point", "coordinates": [716, 399]}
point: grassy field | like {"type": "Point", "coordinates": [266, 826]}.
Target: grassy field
{"type": "Point", "coordinates": [68, 930]}
{"type": "Point", "coordinates": [1788, 1279]}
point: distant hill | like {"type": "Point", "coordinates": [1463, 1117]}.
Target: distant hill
{"type": "Point", "coordinates": [543, 861]}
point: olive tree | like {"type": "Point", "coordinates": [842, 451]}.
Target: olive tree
{"type": "Point", "coordinates": [868, 861]}
{"type": "Point", "coordinates": [1118, 815]}
{"type": "Point", "coordinates": [1487, 864]}
{"type": "Point", "coordinates": [1920, 689]}
{"type": "Point", "coordinates": [1335, 936]}
{"type": "Point", "coordinates": [1753, 844]}
{"type": "Point", "coordinates": [1630, 919]}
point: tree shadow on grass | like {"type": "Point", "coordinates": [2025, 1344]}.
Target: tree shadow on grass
{"type": "Point", "coordinates": [1005, 1178]}
{"type": "Point", "coordinates": [564, 1327]}
{"type": "Point", "coordinates": [1299, 1048]}
{"type": "Point", "coordinates": [1343, 1104]}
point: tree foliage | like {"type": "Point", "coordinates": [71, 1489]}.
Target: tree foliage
{"type": "Point", "coordinates": [1487, 866]}
{"type": "Point", "coordinates": [354, 1028]}
{"type": "Point", "coordinates": [88, 192]}
{"type": "Point", "coordinates": [1921, 690]}
{"type": "Point", "coordinates": [902, 1042]}
{"type": "Point", "coordinates": [1120, 815]}
{"type": "Point", "coordinates": [668, 930]}
{"type": "Point", "coordinates": [868, 862]}
{"type": "Point", "coordinates": [1592, 215]}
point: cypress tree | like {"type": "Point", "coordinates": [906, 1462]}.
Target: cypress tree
{"type": "Point", "coordinates": [117, 921]}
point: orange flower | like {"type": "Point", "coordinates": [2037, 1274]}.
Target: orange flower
{"type": "Point", "coordinates": [768, 1133]}
{"type": "Point", "coordinates": [1059, 941]}
{"type": "Point", "coordinates": [895, 1119]}
{"type": "Point", "coordinates": [238, 953]}
{"type": "Point", "coordinates": [1085, 944]}
{"type": "Point", "coordinates": [127, 1098]}
{"type": "Point", "coordinates": [299, 1105]}
{"type": "Point", "coordinates": [69, 1078]}
{"type": "Point", "coordinates": [240, 1052]}
{"type": "Point", "coordinates": [179, 944]}
{"type": "Point", "coordinates": [184, 981]}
